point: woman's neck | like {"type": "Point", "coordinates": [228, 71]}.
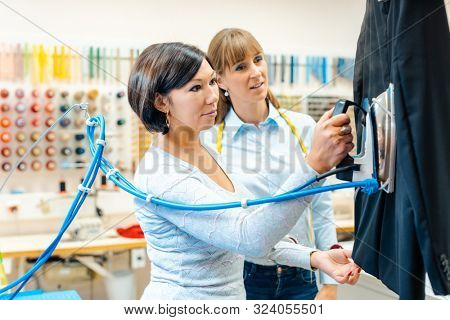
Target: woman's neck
{"type": "Point", "coordinates": [179, 140]}
{"type": "Point", "coordinates": [254, 113]}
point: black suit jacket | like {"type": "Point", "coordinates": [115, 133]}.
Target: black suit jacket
{"type": "Point", "coordinates": [399, 236]}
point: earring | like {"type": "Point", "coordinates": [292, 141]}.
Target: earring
{"type": "Point", "coordinates": [226, 94]}
{"type": "Point", "coordinates": [167, 120]}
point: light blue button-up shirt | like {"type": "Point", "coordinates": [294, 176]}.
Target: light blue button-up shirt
{"type": "Point", "coordinates": [263, 157]}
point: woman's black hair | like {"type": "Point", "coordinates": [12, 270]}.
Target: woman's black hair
{"type": "Point", "coordinates": [159, 69]}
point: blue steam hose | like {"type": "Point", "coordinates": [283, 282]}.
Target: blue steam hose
{"type": "Point", "coordinates": [100, 163]}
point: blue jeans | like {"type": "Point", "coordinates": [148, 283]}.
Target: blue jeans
{"type": "Point", "coordinates": [278, 282]}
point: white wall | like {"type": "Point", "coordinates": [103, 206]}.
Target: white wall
{"type": "Point", "coordinates": [282, 26]}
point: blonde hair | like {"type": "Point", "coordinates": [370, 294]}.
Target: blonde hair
{"type": "Point", "coordinates": [228, 47]}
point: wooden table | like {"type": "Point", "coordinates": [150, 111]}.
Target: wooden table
{"type": "Point", "coordinates": [345, 225]}
{"type": "Point", "coordinates": [34, 245]}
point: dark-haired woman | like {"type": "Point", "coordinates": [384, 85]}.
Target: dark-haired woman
{"type": "Point", "coordinates": [199, 254]}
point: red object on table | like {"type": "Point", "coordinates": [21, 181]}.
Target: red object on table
{"type": "Point", "coordinates": [134, 231]}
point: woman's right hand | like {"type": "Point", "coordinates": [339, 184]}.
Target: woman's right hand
{"type": "Point", "coordinates": [332, 141]}
{"type": "Point", "coordinates": [338, 264]}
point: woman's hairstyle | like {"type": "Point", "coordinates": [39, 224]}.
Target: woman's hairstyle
{"type": "Point", "coordinates": [159, 69]}
{"type": "Point", "coordinates": [227, 48]}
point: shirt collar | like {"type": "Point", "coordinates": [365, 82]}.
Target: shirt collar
{"type": "Point", "coordinates": [233, 121]}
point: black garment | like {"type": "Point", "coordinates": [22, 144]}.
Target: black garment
{"type": "Point", "coordinates": [401, 235]}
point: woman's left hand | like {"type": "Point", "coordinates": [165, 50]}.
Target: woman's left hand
{"type": "Point", "coordinates": [337, 263]}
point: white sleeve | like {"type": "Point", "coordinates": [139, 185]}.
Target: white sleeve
{"type": "Point", "coordinates": [324, 227]}
{"type": "Point", "coordinates": [288, 253]}
{"type": "Point", "coordinates": [252, 231]}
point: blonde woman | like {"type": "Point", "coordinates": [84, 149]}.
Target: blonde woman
{"type": "Point", "coordinates": [263, 145]}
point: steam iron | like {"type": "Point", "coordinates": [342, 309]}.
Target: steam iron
{"type": "Point", "coordinates": [376, 158]}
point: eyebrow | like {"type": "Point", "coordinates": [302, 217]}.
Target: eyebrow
{"type": "Point", "coordinates": [212, 75]}
{"type": "Point", "coordinates": [257, 54]}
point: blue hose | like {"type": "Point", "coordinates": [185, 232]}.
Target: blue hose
{"type": "Point", "coordinates": [100, 163]}
{"type": "Point", "coordinates": [75, 207]}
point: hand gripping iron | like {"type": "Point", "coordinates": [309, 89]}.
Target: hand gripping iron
{"type": "Point", "coordinates": [377, 145]}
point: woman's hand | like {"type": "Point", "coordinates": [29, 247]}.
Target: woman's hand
{"type": "Point", "coordinates": [337, 263]}
{"type": "Point", "coordinates": [332, 141]}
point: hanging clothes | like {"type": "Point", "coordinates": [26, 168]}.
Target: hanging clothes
{"type": "Point", "coordinates": [345, 67]}
{"type": "Point", "coordinates": [400, 236]}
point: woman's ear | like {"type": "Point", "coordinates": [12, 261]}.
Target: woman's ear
{"type": "Point", "coordinates": [161, 103]}
{"type": "Point", "coordinates": [220, 82]}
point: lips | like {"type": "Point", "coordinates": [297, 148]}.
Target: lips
{"type": "Point", "coordinates": [211, 113]}
{"type": "Point", "coordinates": [258, 85]}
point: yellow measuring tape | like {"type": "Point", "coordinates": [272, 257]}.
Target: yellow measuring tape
{"type": "Point", "coordinates": [300, 142]}
{"type": "Point", "coordinates": [3, 278]}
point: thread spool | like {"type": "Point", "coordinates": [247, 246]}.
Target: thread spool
{"type": "Point", "coordinates": [6, 166]}
{"type": "Point", "coordinates": [66, 151]}
{"type": "Point", "coordinates": [20, 107]}
{"type": "Point", "coordinates": [50, 165]}
{"type": "Point", "coordinates": [79, 151]}
{"type": "Point", "coordinates": [50, 121]}
{"type": "Point", "coordinates": [64, 94]}
{"type": "Point", "coordinates": [50, 151]}
{"type": "Point", "coordinates": [49, 93]}
{"type": "Point", "coordinates": [64, 137]}
{"type": "Point", "coordinates": [49, 107]}
{"type": "Point", "coordinates": [5, 107]}
{"type": "Point", "coordinates": [51, 136]}
{"type": "Point", "coordinates": [34, 136]}
{"type": "Point", "coordinates": [65, 122]}
{"type": "Point", "coordinates": [35, 93]}
{"type": "Point", "coordinates": [79, 136]}
{"type": "Point", "coordinates": [20, 122]}
{"type": "Point", "coordinates": [35, 107]}
{"type": "Point", "coordinates": [20, 151]}
{"type": "Point", "coordinates": [4, 93]}
{"type": "Point", "coordinates": [6, 152]}
{"type": "Point", "coordinates": [21, 136]}
{"type": "Point", "coordinates": [78, 95]}
{"type": "Point", "coordinates": [36, 151]}
{"type": "Point", "coordinates": [5, 122]}
{"type": "Point", "coordinates": [19, 93]}
{"type": "Point", "coordinates": [36, 165]}
{"type": "Point", "coordinates": [36, 122]}
{"type": "Point", "coordinates": [92, 94]}
{"type": "Point", "coordinates": [63, 108]}
{"type": "Point", "coordinates": [22, 166]}
{"type": "Point", "coordinates": [5, 136]}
